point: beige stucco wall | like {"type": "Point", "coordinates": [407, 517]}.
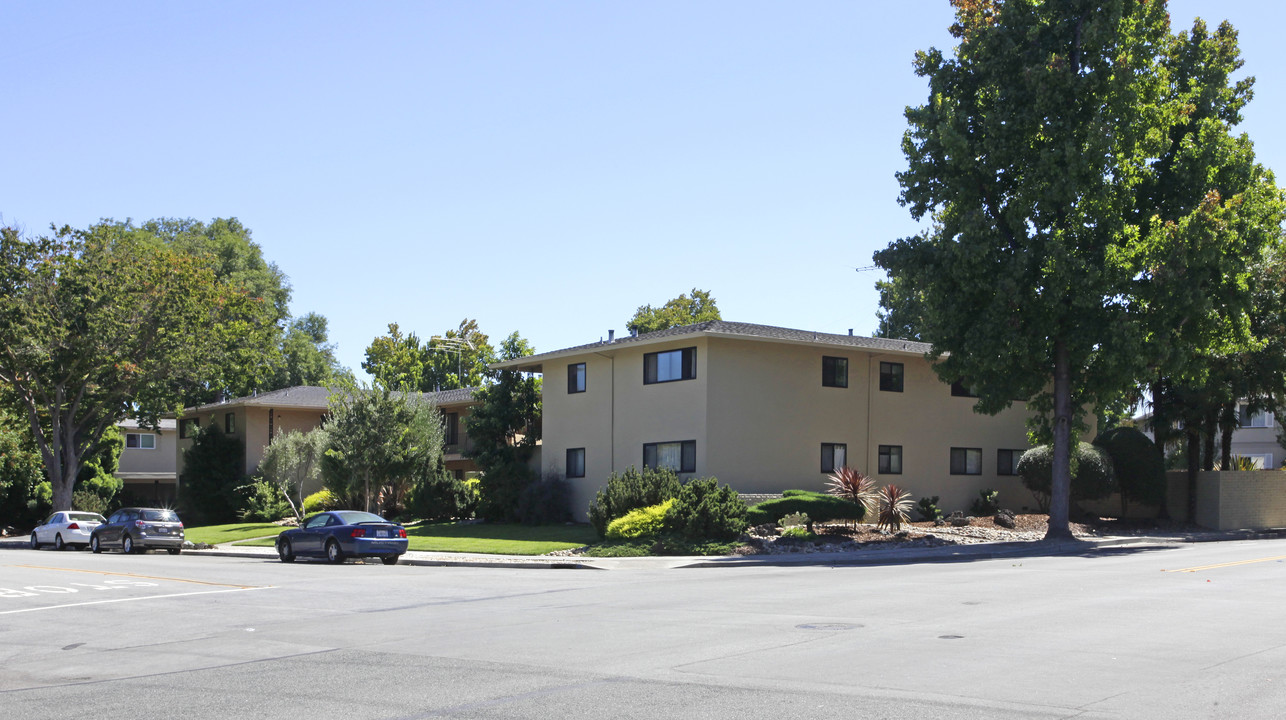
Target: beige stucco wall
{"type": "Point", "coordinates": [1236, 500]}
{"type": "Point", "coordinates": [159, 460]}
{"type": "Point", "coordinates": [759, 414]}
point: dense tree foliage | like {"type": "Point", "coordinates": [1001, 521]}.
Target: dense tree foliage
{"type": "Point", "coordinates": [457, 359]}
{"type": "Point", "coordinates": [682, 310]}
{"type": "Point", "coordinates": [1095, 217]}
{"type": "Point", "coordinates": [504, 427]}
{"type": "Point", "coordinates": [307, 355]}
{"type": "Point", "coordinates": [20, 471]}
{"type": "Point", "coordinates": [97, 325]}
{"type": "Point", "coordinates": [213, 469]}
{"type": "Point", "coordinates": [292, 463]}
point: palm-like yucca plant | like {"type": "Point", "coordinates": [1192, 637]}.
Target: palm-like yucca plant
{"type": "Point", "coordinates": [1243, 462]}
{"type": "Point", "coordinates": [895, 503]}
{"type": "Point", "coordinates": [855, 487]}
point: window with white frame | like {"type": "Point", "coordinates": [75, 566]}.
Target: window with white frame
{"type": "Point", "coordinates": [140, 441]}
{"type": "Point", "coordinates": [1261, 461]}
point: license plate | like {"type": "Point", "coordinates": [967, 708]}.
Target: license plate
{"type": "Point", "coordinates": [381, 533]}
{"type": "Point", "coordinates": [162, 530]}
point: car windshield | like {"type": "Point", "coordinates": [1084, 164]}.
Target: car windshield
{"type": "Point", "coordinates": [86, 517]}
{"type": "Point", "coordinates": [159, 515]}
{"type": "Point", "coordinates": [352, 517]}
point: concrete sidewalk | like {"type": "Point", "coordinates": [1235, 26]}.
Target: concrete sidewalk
{"type": "Point", "coordinates": [872, 556]}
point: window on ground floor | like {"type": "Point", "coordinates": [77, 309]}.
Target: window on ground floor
{"type": "Point", "coordinates": [1007, 461]}
{"type": "Point", "coordinates": [575, 462]}
{"type": "Point", "coordinates": [966, 461]}
{"type": "Point", "coordinates": [834, 456]}
{"type": "Point", "coordinates": [679, 456]}
{"type": "Point", "coordinates": [890, 460]}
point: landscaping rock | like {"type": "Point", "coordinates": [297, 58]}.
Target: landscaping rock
{"type": "Point", "coordinates": [1005, 519]}
{"type": "Point", "coordinates": [958, 519]}
{"type": "Point", "coordinates": [765, 530]}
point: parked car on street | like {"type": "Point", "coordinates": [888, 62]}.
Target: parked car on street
{"type": "Point", "coordinates": [136, 529]}
{"type": "Point", "coordinates": [341, 534]}
{"type": "Point", "coordinates": [66, 528]}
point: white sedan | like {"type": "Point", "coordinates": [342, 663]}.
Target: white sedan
{"type": "Point", "coordinates": [66, 527]}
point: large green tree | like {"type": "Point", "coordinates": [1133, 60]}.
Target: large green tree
{"type": "Point", "coordinates": [1095, 215]}
{"type": "Point", "coordinates": [97, 325]}
{"type": "Point", "coordinates": [504, 427]}
{"type": "Point", "coordinates": [682, 310]}
{"type": "Point", "coordinates": [307, 355]}
{"type": "Point", "coordinates": [456, 359]}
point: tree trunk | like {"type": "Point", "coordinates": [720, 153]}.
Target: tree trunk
{"type": "Point", "coordinates": [1194, 467]}
{"type": "Point", "coordinates": [1061, 481]}
{"type": "Point", "coordinates": [1226, 426]}
{"type": "Point", "coordinates": [1212, 427]}
{"type": "Point", "coordinates": [367, 476]}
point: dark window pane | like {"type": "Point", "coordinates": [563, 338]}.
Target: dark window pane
{"type": "Point", "coordinates": [576, 462]}
{"type": "Point", "coordinates": [689, 456]}
{"type": "Point", "coordinates": [576, 378]}
{"type": "Point", "coordinates": [891, 376]}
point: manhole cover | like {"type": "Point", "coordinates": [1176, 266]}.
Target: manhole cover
{"type": "Point", "coordinates": [951, 637]}
{"type": "Point", "coordinates": [827, 626]}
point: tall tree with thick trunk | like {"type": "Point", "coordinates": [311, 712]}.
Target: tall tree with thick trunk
{"type": "Point", "coordinates": [96, 325]}
{"type": "Point", "coordinates": [1094, 216]}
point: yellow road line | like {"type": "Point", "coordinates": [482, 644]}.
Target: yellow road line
{"type": "Point", "coordinates": [1227, 564]}
{"type": "Point", "coordinates": [133, 575]}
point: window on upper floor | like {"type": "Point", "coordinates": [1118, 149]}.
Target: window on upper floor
{"type": "Point", "coordinates": [669, 366]}
{"type": "Point", "coordinates": [230, 423]}
{"type": "Point", "coordinates": [966, 461]}
{"type": "Point", "coordinates": [834, 456]}
{"type": "Point", "coordinates": [576, 378]}
{"type": "Point", "coordinates": [188, 428]}
{"type": "Point", "coordinates": [890, 460]}
{"type": "Point", "coordinates": [450, 428]}
{"type": "Point", "coordinates": [679, 456]}
{"type": "Point", "coordinates": [576, 462]}
{"type": "Point", "coordinates": [834, 372]}
{"type": "Point", "coordinates": [891, 376]}
{"type": "Point", "coordinates": [1257, 419]}
{"type": "Point", "coordinates": [140, 441]}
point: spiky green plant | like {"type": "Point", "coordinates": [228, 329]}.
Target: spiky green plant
{"type": "Point", "coordinates": [895, 503]}
{"type": "Point", "coordinates": [855, 487]}
{"type": "Point", "coordinates": [1243, 462]}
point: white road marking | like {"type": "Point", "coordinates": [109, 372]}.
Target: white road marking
{"type": "Point", "coordinates": [117, 600]}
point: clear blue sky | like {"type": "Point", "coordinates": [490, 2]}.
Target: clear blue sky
{"type": "Point", "coordinates": [545, 167]}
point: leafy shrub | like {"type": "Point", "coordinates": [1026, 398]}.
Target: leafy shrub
{"type": "Point", "coordinates": [321, 501]}
{"type": "Point", "coordinates": [1242, 462]}
{"type": "Point", "coordinates": [1093, 477]}
{"type": "Point", "coordinates": [629, 491]}
{"type": "Point", "coordinates": [89, 502]}
{"type": "Point", "coordinates": [264, 502]}
{"type": "Point", "coordinates": [798, 533]}
{"type": "Point", "coordinates": [854, 487]}
{"type": "Point", "coordinates": [640, 522]}
{"type": "Point", "coordinates": [544, 501]}
{"type": "Point", "coordinates": [928, 509]}
{"type": "Point", "coordinates": [706, 510]}
{"type": "Point", "coordinates": [895, 503]}
{"type": "Point", "coordinates": [438, 496]}
{"type": "Point", "coordinates": [819, 507]}
{"type": "Point", "coordinates": [501, 490]}
{"type": "Point", "coordinates": [795, 520]}
{"type": "Point", "coordinates": [1139, 464]}
{"type": "Point", "coordinates": [987, 503]}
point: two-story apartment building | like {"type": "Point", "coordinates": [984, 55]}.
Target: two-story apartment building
{"type": "Point", "coordinates": [258, 418]}
{"type": "Point", "coordinates": [147, 462]}
{"type": "Point", "coordinates": [767, 409]}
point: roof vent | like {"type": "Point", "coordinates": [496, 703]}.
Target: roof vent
{"type": "Point", "coordinates": [611, 336]}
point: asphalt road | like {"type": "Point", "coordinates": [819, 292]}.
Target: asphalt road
{"type": "Point", "coordinates": [1190, 632]}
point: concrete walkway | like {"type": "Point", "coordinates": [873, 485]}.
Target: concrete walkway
{"type": "Point", "coordinates": [871, 556]}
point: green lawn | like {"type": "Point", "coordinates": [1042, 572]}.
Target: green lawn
{"type": "Point", "coordinates": [217, 534]}
{"type": "Point", "coordinates": [493, 539]}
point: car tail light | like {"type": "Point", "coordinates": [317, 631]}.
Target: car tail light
{"type": "Point", "coordinates": [74, 526]}
{"type": "Point", "coordinates": [401, 532]}
{"type": "Point", "coordinates": [359, 532]}
{"type": "Point", "coordinates": [139, 524]}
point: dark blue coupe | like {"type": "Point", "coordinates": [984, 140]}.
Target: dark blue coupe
{"type": "Point", "coordinates": [340, 534]}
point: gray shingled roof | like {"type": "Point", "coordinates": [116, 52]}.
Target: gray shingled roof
{"type": "Point", "coordinates": [736, 329]}
{"type": "Point", "coordinates": [311, 396]}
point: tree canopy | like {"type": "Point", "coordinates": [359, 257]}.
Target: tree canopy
{"type": "Point", "coordinates": [682, 310]}
{"type": "Point", "coordinates": [1095, 217]}
{"type": "Point", "coordinates": [504, 427]}
{"type": "Point", "coordinates": [456, 359]}
{"type": "Point", "coordinates": [98, 324]}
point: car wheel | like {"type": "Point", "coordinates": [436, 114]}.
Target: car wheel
{"type": "Point", "coordinates": [333, 553]}
{"type": "Point", "coordinates": [390, 559]}
{"type": "Point", "coordinates": [35, 544]}
{"type": "Point", "coordinates": [174, 551]}
{"type": "Point", "coordinates": [127, 545]}
{"type": "Point", "coordinates": [285, 551]}
{"type": "Point", "coordinates": [93, 544]}
{"type": "Point", "coordinates": [58, 542]}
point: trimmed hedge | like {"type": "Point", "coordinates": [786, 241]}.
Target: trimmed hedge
{"type": "Point", "coordinates": [1093, 477]}
{"type": "Point", "coordinates": [629, 491]}
{"type": "Point", "coordinates": [819, 507]}
{"type": "Point", "coordinates": [1140, 465]}
{"type": "Point", "coordinates": [706, 510]}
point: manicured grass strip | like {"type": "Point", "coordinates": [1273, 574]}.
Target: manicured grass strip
{"type": "Point", "coordinates": [497, 539]}
{"type": "Point", "coordinates": [217, 534]}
